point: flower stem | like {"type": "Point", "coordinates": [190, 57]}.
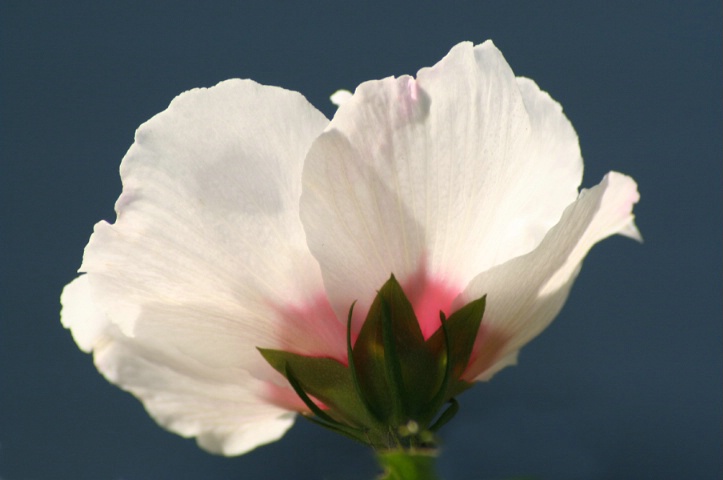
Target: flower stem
{"type": "Point", "coordinates": [412, 464]}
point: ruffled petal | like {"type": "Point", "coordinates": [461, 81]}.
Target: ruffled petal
{"type": "Point", "coordinates": [226, 418]}
{"type": "Point", "coordinates": [82, 316]}
{"type": "Point", "coordinates": [449, 174]}
{"type": "Point", "coordinates": [207, 261]}
{"type": "Point", "coordinates": [525, 294]}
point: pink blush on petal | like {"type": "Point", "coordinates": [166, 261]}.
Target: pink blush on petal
{"type": "Point", "coordinates": [312, 329]}
{"type": "Point", "coordinates": [283, 397]}
{"type": "Point", "coordinates": [413, 89]}
{"type": "Point", "coordinates": [286, 398]}
{"type": "Point", "coordinates": [428, 296]}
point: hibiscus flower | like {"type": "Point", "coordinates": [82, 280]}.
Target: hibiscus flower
{"type": "Point", "coordinates": [249, 221]}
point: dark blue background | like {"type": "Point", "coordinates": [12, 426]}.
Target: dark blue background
{"type": "Point", "coordinates": [626, 384]}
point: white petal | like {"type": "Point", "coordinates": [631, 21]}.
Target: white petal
{"type": "Point", "coordinates": [525, 294]}
{"type": "Point", "coordinates": [226, 418]}
{"type": "Point", "coordinates": [82, 316]}
{"type": "Point", "coordinates": [452, 173]}
{"type": "Point", "coordinates": [340, 97]}
{"type": "Point", "coordinates": [206, 261]}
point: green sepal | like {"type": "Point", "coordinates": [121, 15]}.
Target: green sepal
{"type": "Point", "coordinates": [322, 418]}
{"type": "Point", "coordinates": [325, 379]}
{"type": "Point", "coordinates": [444, 363]}
{"type": "Point", "coordinates": [461, 331]}
{"type": "Point", "coordinates": [396, 370]}
{"type": "Point", "coordinates": [446, 416]}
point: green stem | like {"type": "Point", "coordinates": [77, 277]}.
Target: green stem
{"type": "Point", "coordinates": [410, 464]}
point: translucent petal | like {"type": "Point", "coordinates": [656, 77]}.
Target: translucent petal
{"type": "Point", "coordinates": [207, 260]}
{"type": "Point", "coordinates": [458, 170]}
{"type": "Point", "coordinates": [525, 294]}
{"type": "Point", "coordinates": [82, 316]}
{"type": "Point", "coordinates": [227, 418]}
{"type": "Point", "coordinates": [339, 97]}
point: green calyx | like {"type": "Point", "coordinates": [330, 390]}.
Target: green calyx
{"type": "Point", "coordinates": [396, 383]}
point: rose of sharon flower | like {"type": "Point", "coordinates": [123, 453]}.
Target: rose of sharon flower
{"type": "Point", "coordinates": [249, 221]}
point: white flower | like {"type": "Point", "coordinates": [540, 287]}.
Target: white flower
{"type": "Point", "coordinates": [248, 220]}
